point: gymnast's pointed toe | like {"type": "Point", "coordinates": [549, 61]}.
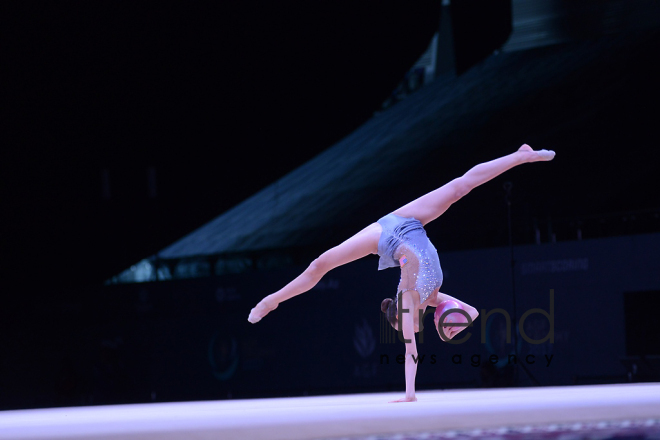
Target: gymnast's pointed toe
{"type": "Point", "coordinates": [253, 317]}
{"type": "Point", "coordinates": [546, 154]}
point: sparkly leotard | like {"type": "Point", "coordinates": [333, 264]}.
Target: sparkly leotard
{"type": "Point", "coordinates": [403, 243]}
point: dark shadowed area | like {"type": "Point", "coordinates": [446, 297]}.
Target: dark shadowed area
{"type": "Point", "coordinates": [140, 129]}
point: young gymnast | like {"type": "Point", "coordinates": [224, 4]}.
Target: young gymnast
{"type": "Point", "coordinates": [400, 240]}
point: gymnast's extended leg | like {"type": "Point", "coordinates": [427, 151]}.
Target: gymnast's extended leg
{"type": "Point", "coordinates": [360, 245]}
{"type": "Point", "coordinates": [426, 208]}
{"type": "Point", "coordinates": [431, 205]}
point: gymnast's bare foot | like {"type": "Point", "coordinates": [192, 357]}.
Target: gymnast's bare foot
{"type": "Point", "coordinates": [536, 155]}
{"type": "Point", "coordinates": [264, 307]}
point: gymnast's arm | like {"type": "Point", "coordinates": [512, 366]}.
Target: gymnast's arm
{"type": "Point", "coordinates": [408, 329]}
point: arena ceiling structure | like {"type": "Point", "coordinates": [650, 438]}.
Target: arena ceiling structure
{"type": "Point", "coordinates": [132, 126]}
{"type": "Point", "coordinates": [530, 91]}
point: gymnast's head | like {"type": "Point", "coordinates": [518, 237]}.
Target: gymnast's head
{"type": "Point", "coordinates": [388, 306]}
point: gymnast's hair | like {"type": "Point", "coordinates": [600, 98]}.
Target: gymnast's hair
{"type": "Point", "coordinates": [388, 306]}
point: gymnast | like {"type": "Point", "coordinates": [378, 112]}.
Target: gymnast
{"type": "Point", "coordinates": [400, 240]}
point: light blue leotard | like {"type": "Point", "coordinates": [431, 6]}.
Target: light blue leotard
{"type": "Point", "coordinates": [403, 243]}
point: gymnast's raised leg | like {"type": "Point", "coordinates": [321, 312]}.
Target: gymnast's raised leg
{"type": "Point", "coordinates": [425, 209]}
{"type": "Point", "coordinates": [432, 205]}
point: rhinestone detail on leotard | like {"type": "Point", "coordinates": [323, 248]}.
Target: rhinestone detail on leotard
{"type": "Point", "coordinates": [406, 236]}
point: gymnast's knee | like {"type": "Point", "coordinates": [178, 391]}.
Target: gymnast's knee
{"type": "Point", "coordinates": [318, 267]}
{"type": "Point", "coordinates": [461, 187]}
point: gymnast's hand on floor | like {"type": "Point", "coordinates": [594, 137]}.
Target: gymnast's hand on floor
{"type": "Point", "coordinates": [405, 399]}
{"type": "Point", "coordinates": [264, 307]}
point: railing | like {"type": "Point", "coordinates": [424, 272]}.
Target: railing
{"type": "Point", "coordinates": [553, 229]}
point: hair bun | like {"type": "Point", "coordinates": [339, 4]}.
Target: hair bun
{"type": "Point", "coordinates": [385, 304]}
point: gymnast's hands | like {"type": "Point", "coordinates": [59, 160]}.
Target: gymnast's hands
{"type": "Point", "coordinates": [405, 399]}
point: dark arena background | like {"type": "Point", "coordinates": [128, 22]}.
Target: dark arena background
{"type": "Point", "coordinates": [166, 165]}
